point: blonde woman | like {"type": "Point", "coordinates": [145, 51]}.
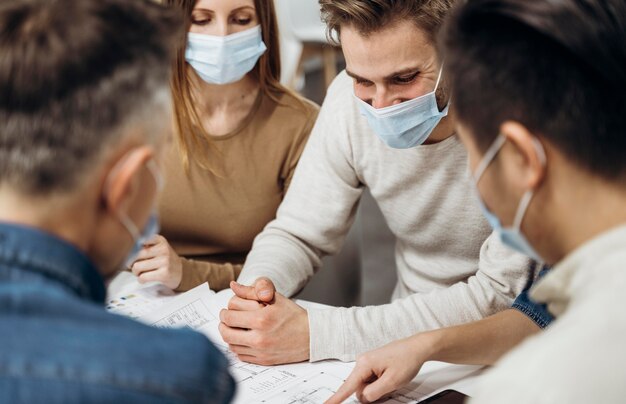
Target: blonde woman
{"type": "Point", "coordinates": [239, 137]}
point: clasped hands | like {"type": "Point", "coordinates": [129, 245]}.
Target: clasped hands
{"type": "Point", "coordinates": [263, 327]}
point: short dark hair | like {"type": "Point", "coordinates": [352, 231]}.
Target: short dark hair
{"type": "Point", "coordinates": [369, 16]}
{"type": "Point", "coordinates": [72, 73]}
{"type": "Point", "coordinates": [557, 67]}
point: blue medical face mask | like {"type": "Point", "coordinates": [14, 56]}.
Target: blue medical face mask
{"type": "Point", "coordinates": [151, 228]}
{"type": "Point", "coordinates": [407, 124]}
{"type": "Point", "coordinates": [510, 236]}
{"type": "Point", "coordinates": [224, 59]}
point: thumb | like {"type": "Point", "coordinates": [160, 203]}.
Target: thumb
{"type": "Point", "coordinates": [264, 289]}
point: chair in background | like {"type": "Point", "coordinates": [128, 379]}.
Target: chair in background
{"type": "Point", "coordinates": [303, 41]}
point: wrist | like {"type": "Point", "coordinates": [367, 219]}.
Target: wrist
{"type": "Point", "coordinates": [427, 345]}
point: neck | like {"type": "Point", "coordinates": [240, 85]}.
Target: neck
{"type": "Point", "coordinates": [444, 130]}
{"type": "Point", "coordinates": [50, 214]}
{"type": "Point", "coordinates": [580, 210]}
{"type": "Point", "coordinates": [212, 97]}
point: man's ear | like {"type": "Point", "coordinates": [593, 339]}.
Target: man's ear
{"type": "Point", "coordinates": [530, 150]}
{"type": "Point", "coordinates": [122, 183]}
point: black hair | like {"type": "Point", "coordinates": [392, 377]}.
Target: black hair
{"type": "Point", "coordinates": [556, 66]}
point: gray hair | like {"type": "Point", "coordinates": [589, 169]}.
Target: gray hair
{"type": "Point", "coordinates": [73, 75]}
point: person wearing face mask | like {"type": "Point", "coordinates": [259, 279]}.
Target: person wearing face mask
{"type": "Point", "coordinates": [387, 124]}
{"type": "Point", "coordinates": [551, 182]}
{"type": "Point", "coordinates": [239, 137]}
{"type": "Point", "coordinates": [84, 118]}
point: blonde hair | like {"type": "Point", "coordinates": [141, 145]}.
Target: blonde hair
{"type": "Point", "coordinates": [369, 16]}
{"type": "Point", "coordinates": [191, 134]}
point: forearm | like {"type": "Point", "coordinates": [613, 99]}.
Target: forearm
{"type": "Point", "coordinates": [315, 215]}
{"type": "Point", "coordinates": [196, 272]}
{"type": "Point", "coordinates": [344, 333]}
{"type": "Point", "coordinates": [481, 342]}
{"type": "Point", "coordinates": [279, 256]}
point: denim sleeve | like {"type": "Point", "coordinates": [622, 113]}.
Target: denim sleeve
{"type": "Point", "coordinates": [537, 312]}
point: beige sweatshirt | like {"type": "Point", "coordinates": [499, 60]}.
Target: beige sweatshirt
{"type": "Point", "coordinates": [449, 270]}
{"type": "Point", "coordinates": [580, 358]}
{"type": "Point", "coordinates": [211, 218]}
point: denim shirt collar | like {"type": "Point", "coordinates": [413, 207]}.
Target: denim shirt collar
{"type": "Point", "coordinates": [43, 254]}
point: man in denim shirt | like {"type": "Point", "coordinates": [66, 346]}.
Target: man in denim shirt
{"type": "Point", "coordinates": [84, 115]}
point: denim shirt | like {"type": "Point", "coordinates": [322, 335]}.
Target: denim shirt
{"type": "Point", "coordinates": [59, 345]}
{"type": "Point", "coordinates": [536, 312]}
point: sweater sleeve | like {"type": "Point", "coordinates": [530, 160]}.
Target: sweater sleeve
{"type": "Point", "coordinates": [218, 275]}
{"type": "Point", "coordinates": [316, 213]}
{"type": "Point", "coordinates": [344, 333]}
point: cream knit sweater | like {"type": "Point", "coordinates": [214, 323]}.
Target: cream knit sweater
{"type": "Point", "coordinates": [450, 270]}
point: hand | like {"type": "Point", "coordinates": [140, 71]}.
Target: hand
{"type": "Point", "coordinates": [157, 261]}
{"type": "Point", "coordinates": [265, 333]}
{"type": "Point", "coordinates": [263, 290]}
{"type": "Point", "coordinates": [383, 370]}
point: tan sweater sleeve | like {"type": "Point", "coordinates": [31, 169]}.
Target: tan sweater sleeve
{"type": "Point", "coordinates": [218, 275]}
{"type": "Point", "coordinates": [298, 145]}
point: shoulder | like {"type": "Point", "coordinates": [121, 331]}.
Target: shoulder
{"type": "Point", "coordinates": [287, 118]}
{"type": "Point", "coordinates": [549, 367]}
{"type": "Point", "coordinates": [294, 106]}
{"type": "Point", "coordinates": [340, 112]}
{"type": "Point", "coordinates": [113, 350]}
{"type": "Point", "coordinates": [341, 86]}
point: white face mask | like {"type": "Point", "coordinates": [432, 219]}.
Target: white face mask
{"type": "Point", "coordinates": [512, 236]}
{"type": "Point", "coordinates": [407, 124]}
{"type": "Point", "coordinates": [151, 228]}
{"type": "Point", "coordinates": [224, 59]}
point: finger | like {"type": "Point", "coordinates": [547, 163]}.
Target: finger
{"type": "Point", "coordinates": [241, 350]}
{"type": "Point", "coordinates": [156, 239]}
{"type": "Point", "coordinates": [239, 319]}
{"type": "Point", "coordinates": [237, 303]}
{"type": "Point", "coordinates": [264, 289]}
{"type": "Point", "coordinates": [151, 251]}
{"type": "Point", "coordinates": [236, 336]}
{"type": "Point", "coordinates": [250, 359]}
{"type": "Point", "coordinates": [375, 390]}
{"type": "Point", "coordinates": [244, 292]}
{"type": "Point", "coordinates": [140, 267]}
{"type": "Point", "coordinates": [351, 385]}
{"type": "Point", "coordinates": [157, 275]}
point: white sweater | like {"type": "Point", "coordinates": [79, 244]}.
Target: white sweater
{"type": "Point", "coordinates": [447, 272]}
{"type": "Point", "coordinates": [581, 357]}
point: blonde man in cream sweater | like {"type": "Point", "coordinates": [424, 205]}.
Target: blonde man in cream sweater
{"type": "Point", "coordinates": [387, 125]}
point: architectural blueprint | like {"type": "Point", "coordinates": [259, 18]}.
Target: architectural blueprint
{"type": "Point", "coordinates": [292, 384]}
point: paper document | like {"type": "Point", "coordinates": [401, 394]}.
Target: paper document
{"type": "Point", "coordinates": [139, 302]}
{"type": "Point", "coordinates": [286, 384]}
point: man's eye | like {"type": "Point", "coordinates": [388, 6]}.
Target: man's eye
{"type": "Point", "coordinates": [362, 82]}
{"type": "Point", "coordinates": [406, 79]}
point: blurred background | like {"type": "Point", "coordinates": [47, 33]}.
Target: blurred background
{"type": "Point", "coordinates": [363, 273]}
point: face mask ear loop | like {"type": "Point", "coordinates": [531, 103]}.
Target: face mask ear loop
{"type": "Point", "coordinates": [130, 226]}
{"type": "Point", "coordinates": [439, 78]}
{"type": "Point", "coordinates": [525, 202]}
{"type": "Point", "coordinates": [126, 222]}
{"type": "Point", "coordinates": [489, 156]}
{"type": "Point", "coordinates": [541, 152]}
{"type": "Point", "coordinates": [521, 210]}
{"type": "Point", "coordinates": [156, 173]}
